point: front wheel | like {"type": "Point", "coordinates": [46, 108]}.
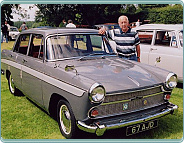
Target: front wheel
{"type": "Point", "coordinates": [66, 120]}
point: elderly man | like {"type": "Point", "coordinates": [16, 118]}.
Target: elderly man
{"type": "Point", "coordinates": [127, 41]}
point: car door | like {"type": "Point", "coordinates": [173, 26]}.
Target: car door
{"type": "Point", "coordinates": [165, 52]}
{"type": "Point", "coordinates": [146, 40]}
{"type": "Point", "coordinates": [32, 65]}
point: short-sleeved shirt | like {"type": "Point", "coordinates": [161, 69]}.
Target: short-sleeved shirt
{"type": "Point", "coordinates": [125, 42]}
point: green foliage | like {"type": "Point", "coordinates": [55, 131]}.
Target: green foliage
{"type": "Point", "coordinates": [166, 15]}
{"type": "Point", "coordinates": [6, 13]}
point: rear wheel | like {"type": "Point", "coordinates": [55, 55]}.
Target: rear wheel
{"type": "Point", "coordinates": [66, 120]}
{"type": "Point", "coordinates": [12, 87]}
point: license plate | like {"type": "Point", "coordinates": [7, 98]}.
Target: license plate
{"type": "Point", "coordinates": [141, 127]}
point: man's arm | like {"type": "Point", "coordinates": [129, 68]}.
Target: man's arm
{"type": "Point", "coordinates": [138, 52]}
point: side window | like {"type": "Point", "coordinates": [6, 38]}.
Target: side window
{"type": "Point", "coordinates": [145, 37]}
{"type": "Point", "coordinates": [163, 38]}
{"type": "Point", "coordinates": [22, 44]}
{"type": "Point", "coordinates": [173, 40]}
{"type": "Point", "coordinates": [36, 46]}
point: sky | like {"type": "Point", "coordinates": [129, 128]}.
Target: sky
{"type": "Point", "coordinates": [31, 12]}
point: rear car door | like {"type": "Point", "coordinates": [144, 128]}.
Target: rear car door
{"type": "Point", "coordinates": [33, 67]}
{"type": "Point", "coordinates": [31, 62]}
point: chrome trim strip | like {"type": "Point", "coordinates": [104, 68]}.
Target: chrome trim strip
{"type": "Point", "coordinates": [133, 91]}
{"type": "Point", "coordinates": [100, 129]}
{"type": "Point", "coordinates": [115, 102]}
{"type": "Point", "coordinates": [60, 84]}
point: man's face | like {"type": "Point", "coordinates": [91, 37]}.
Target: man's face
{"type": "Point", "coordinates": [123, 23]}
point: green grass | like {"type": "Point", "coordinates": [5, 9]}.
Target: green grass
{"type": "Point", "coordinates": [21, 119]}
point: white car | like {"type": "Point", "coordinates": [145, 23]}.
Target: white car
{"type": "Point", "coordinates": [162, 46]}
{"type": "Point", "coordinates": [13, 32]}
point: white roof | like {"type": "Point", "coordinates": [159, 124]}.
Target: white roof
{"type": "Point", "coordinates": [177, 27]}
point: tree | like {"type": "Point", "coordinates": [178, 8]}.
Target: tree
{"type": "Point", "coordinates": [6, 13]}
{"type": "Point", "coordinates": [53, 14]}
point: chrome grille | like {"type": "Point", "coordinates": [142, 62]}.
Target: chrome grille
{"type": "Point", "coordinates": [132, 101]}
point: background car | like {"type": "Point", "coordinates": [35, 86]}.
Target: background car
{"type": "Point", "coordinates": [75, 77]}
{"type": "Point", "coordinates": [13, 33]}
{"type": "Point", "coordinates": [162, 46]}
{"type": "Point", "coordinates": [108, 26]}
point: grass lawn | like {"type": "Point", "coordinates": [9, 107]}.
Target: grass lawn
{"type": "Point", "coordinates": [21, 119]}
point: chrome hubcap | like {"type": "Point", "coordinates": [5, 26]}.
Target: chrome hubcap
{"type": "Point", "coordinates": [65, 119]}
{"type": "Point", "coordinates": [12, 86]}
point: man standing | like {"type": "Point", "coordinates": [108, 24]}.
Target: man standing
{"type": "Point", "coordinates": [4, 30]}
{"type": "Point", "coordinates": [127, 41]}
{"type": "Point", "coordinates": [8, 26]}
{"type": "Point", "coordinates": [70, 24]}
{"type": "Point", "coordinates": [64, 23]}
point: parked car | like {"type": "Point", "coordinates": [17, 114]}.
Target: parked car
{"type": "Point", "coordinates": [162, 46]}
{"type": "Point", "coordinates": [13, 32]}
{"type": "Point", "coordinates": [108, 26]}
{"type": "Point", "coordinates": [74, 76]}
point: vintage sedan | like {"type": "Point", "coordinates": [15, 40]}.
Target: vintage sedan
{"type": "Point", "coordinates": [162, 46]}
{"type": "Point", "coordinates": [74, 76]}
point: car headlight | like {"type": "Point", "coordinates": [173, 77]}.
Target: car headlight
{"type": "Point", "coordinates": [96, 93]}
{"type": "Point", "coordinates": [171, 80]}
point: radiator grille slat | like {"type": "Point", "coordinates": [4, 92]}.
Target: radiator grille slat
{"type": "Point", "coordinates": [148, 98]}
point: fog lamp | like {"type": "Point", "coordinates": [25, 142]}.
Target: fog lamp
{"type": "Point", "coordinates": [167, 96]}
{"type": "Point", "coordinates": [94, 113]}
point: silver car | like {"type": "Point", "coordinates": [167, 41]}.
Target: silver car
{"type": "Point", "coordinates": [74, 76]}
{"type": "Point", "coordinates": [162, 46]}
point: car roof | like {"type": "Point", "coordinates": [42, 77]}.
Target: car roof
{"type": "Point", "coordinates": [50, 31]}
{"type": "Point", "coordinates": [171, 27]}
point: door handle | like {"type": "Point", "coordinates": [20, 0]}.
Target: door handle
{"type": "Point", "coordinates": [24, 61]}
{"type": "Point", "coordinates": [153, 49]}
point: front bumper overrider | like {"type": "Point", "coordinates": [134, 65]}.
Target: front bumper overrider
{"type": "Point", "coordinates": [99, 129]}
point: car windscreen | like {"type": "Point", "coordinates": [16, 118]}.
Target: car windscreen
{"type": "Point", "coordinates": [14, 29]}
{"type": "Point", "coordinates": [76, 45]}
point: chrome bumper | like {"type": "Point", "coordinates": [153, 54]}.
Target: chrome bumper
{"type": "Point", "coordinates": [100, 129]}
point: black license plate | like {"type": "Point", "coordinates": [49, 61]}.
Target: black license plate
{"type": "Point", "coordinates": [141, 127]}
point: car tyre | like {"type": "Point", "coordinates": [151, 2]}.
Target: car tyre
{"type": "Point", "coordinates": [66, 120]}
{"type": "Point", "coordinates": [12, 87]}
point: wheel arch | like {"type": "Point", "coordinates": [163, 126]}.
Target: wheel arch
{"type": "Point", "coordinates": [7, 74]}
{"type": "Point", "coordinates": [55, 98]}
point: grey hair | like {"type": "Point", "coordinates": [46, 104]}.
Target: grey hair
{"type": "Point", "coordinates": [123, 16]}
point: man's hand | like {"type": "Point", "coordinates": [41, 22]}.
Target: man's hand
{"type": "Point", "coordinates": [102, 31]}
{"type": "Point", "coordinates": [138, 52]}
{"type": "Point", "coordinates": [138, 59]}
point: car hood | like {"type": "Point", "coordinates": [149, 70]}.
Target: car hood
{"type": "Point", "coordinates": [14, 32]}
{"type": "Point", "coordinates": [115, 73]}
